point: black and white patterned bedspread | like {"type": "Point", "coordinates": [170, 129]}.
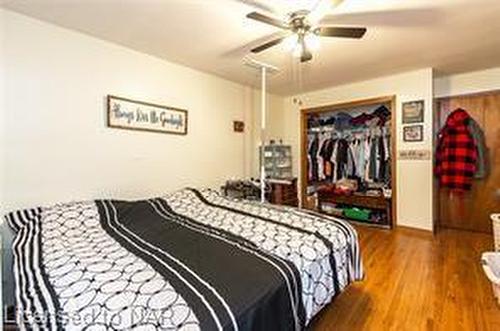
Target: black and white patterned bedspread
{"type": "Point", "coordinates": [190, 260]}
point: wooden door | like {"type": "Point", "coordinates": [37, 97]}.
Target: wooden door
{"type": "Point", "coordinates": [471, 210]}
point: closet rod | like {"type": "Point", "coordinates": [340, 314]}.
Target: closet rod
{"type": "Point", "coordinates": [332, 129]}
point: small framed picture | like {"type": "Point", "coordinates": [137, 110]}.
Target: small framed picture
{"type": "Point", "coordinates": [413, 112]}
{"type": "Point", "coordinates": [413, 133]}
{"type": "Point", "coordinates": [238, 126]}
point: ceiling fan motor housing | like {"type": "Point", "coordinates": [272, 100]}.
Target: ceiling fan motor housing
{"type": "Point", "coordinates": [298, 22]}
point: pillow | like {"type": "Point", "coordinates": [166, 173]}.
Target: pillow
{"type": "Point", "coordinates": [19, 218]}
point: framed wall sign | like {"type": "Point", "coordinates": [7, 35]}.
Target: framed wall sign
{"type": "Point", "coordinates": [413, 112]}
{"type": "Point", "coordinates": [413, 133]}
{"type": "Point", "coordinates": [130, 114]}
{"type": "Point", "coordinates": [414, 154]}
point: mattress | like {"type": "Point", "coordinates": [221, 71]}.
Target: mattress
{"type": "Point", "coordinates": [189, 260]}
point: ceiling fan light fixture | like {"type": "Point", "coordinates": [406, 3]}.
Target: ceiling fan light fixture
{"type": "Point", "coordinates": [298, 50]}
{"type": "Point", "coordinates": [290, 43]}
{"type": "Point", "coordinates": [312, 41]}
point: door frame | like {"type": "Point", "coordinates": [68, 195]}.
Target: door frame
{"type": "Point", "coordinates": [437, 127]}
{"type": "Point", "coordinates": [391, 99]}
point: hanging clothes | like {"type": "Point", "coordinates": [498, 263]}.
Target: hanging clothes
{"type": "Point", "coordinates": [374, 164]}
{"type": "Point", "coordinates": [360, 158]}
{"type": "Point", "coordinates": [310, 139]}
{"type": "Point", "coordinates": [357, 148]}
{"type": "Point", "coordinates": [387, 174]}
{"type": "Point", "coordinates": [481, 149]}
{"type": "Point", "coordinates": [326, 154]}
{"type": "Point", "coordinates": [381, 159]}
{"type": "Point", "coordinates": [456, 153]}
{"type": "Point", "coordinates": [320, 162]}
{"type": "Point", "coordinates": [353, 150]}
{"type": "Point", "coordinates": [368, 147]}
{"type": "Point", "coordinates": [343, 159]}
{"type": "Point", "coordinates": [333, 160]}
{"type": "Point", "coordinates": [312, 152]}
{"type": "Point", "coordinates": [351, 163]}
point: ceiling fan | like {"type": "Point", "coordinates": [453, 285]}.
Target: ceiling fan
{"type": "Point", "coordinates": [303, 30]}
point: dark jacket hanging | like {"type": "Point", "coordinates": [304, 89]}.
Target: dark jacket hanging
{"type": "Point", "coordinates": [313, 152]}
{"type": "Point", "coordinates": [326, 154]}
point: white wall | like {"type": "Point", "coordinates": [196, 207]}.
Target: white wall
{"type": "Point", "coordinates": [274, 129]}
{"type": "Point", "coordinates": [414, 178]}
{"type": "Point", "coordinates": [2, 100]}
{"type": "Point", "coordinates": [467, 83]}
{"type": "Point", "coordinates": [3, 279]}
{"type": "Point", "coordinates": [58, 147]}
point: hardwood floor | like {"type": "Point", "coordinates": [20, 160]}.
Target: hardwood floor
{"type": "Point", "coordinates": [417, 281]}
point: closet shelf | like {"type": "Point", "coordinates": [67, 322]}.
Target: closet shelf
{"type": "Point", "coordinates": [358, 200]}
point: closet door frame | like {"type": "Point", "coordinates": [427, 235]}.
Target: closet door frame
{"type": "Point", "coordinates": [391, 100]}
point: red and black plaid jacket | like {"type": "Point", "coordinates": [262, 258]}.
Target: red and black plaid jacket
{"type": "Point", "coordinates": [456, 154]}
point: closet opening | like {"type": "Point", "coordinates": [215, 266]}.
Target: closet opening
{"type": "Point", "coordinates": [467, 181]}
{"type": "Point", "coordinates": [348, 161]}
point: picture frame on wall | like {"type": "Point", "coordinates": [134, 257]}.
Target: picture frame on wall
{"type": "Point", "coordinates": [413, 133]}
{"type": "Point", "coordinates": [124, 113]}
{"type": "Point", "coordinates": [413, 112]}
{"type": "Point", "coordinates": [238, 126]}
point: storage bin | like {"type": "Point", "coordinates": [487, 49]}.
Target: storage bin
{"type": "Point", "coordinates": [491, 267]}
{"type": "Point", "coordinates": [357, 214]}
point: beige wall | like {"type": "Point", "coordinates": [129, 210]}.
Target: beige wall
{"type": "Point", "coordinates": [274, 128]}
{"type": "Point", "coordinates": [2, 100]}
{"type": "Point", "coordinates": [414, 178]}
{"type": "Point", "coordinates": [58, 146]}
{"type": "Point", "coordinates": [467, 83]}
{"type": "Point", "coordinates": [3, 245]}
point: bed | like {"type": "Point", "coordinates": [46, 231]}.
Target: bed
{"type": "Point", "coordinates": [189, 260]}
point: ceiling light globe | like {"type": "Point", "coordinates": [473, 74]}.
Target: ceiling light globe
{"type": "Point", "coordinates": [297, 50]}
{"type": "Point", "coordinates": [312, 41]}
{"type": "Point", "coordinates": [290, 43]}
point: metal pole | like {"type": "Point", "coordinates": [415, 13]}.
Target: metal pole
{"type": "Point", "coordinates": [265, 69]}
{"type": "Point", "coordinates": [262, 135]}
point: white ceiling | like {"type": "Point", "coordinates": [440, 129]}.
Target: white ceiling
{"type": "Point", "coordinates": [451, 36]}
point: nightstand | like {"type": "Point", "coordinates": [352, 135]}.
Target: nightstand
{"type": "Point", "coordinates": [283, 192]}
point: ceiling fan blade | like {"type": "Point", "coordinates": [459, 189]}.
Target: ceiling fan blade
{"type": "Point", "coordinates": [268, 20]}
{"type": "Point", "coordinates": [267, 45]}
{"type": "Point", "coordinates": [341, 32]}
